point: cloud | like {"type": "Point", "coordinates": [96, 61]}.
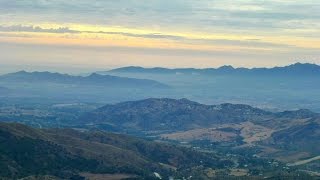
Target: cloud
{"type": "Point", "coordinates": [277, 25]}
{"type": "Point", "coordinates": [182, 39]}
{"type": "Point", "coordinates": [21, 28]}
{"type": "Point", "coordinates": [62, 30]}
{"type": "Point", "coordinates": [207, 14]}
{"type": "Point", "coordinates": [151, 36]}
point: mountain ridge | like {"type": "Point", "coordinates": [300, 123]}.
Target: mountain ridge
{"type": "Point", "coordinates": [27, 151]}
{"type": "Point", "coordinates": [182, 114]}
{"type": "Point", "coordinates": [93, 79]}
{"type": "Point", "coordinates": [305, 68]}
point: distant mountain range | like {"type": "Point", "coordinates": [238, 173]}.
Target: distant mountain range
{"type": "Point", "coordinates": [66, 154]}
{"type": "Point", "coordinates": [93, 79]}
{"type": "Point", "coordinates": [294, 69]}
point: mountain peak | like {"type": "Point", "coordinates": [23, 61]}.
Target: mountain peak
{"type": "Point", "coordinates": [18, 73]}
{"type": "Point", "coordinates": [304, 65]}
{"type": "Point", "coordinates": [301, 113]}
{"type": "Point", "coordinates": [22, 72]}
{"type": "Point", "coordinates": [226, 67]}
{"type": "Point", "coordinates": [95, 75]}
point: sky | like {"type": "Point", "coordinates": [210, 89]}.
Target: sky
{"type": "Point", "coordinates": [83, 35]}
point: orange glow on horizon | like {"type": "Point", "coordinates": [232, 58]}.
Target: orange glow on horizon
{"type": "Point", "coordinates": [89, 35]}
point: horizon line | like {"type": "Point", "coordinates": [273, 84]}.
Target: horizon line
{"type": "Point", "coordinates": [168, 68]}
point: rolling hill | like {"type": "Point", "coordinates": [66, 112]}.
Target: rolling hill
{"type": "Point", "coordinates": [26, 151]}
{"type": "Point", "coordinates": [182, 114]}
{"type": "Point", "coordinates": [303, 137]}
{"type": "Point", "coordinates": [235, 124]}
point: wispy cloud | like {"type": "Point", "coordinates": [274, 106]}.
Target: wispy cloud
{"type": "Point", "coordinates": [207, 14]}
{"type": "Point", "coordinates": [161, 36]}
{"type": "Point", "coordinates": [25, 28]}
{"type": "Point", "coordinates": [21, 28]}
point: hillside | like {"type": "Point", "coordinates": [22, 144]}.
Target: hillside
{"type": "Point", "coordinates": [182, 114]}
{"type": "Point", "coordinates": [304, 137]}
{"type": "Point", "coordinates": [66, 153]}
{"type": "Point", "coordinates": [273, 134]}
{"type": "Point", "coordinates": [170, 114]}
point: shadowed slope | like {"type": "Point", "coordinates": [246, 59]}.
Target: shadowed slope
{"type": "Point", "coordinates": [26, 151]}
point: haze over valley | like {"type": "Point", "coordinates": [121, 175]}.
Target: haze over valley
{"type": "Point", "coordinates": [290, 87]}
